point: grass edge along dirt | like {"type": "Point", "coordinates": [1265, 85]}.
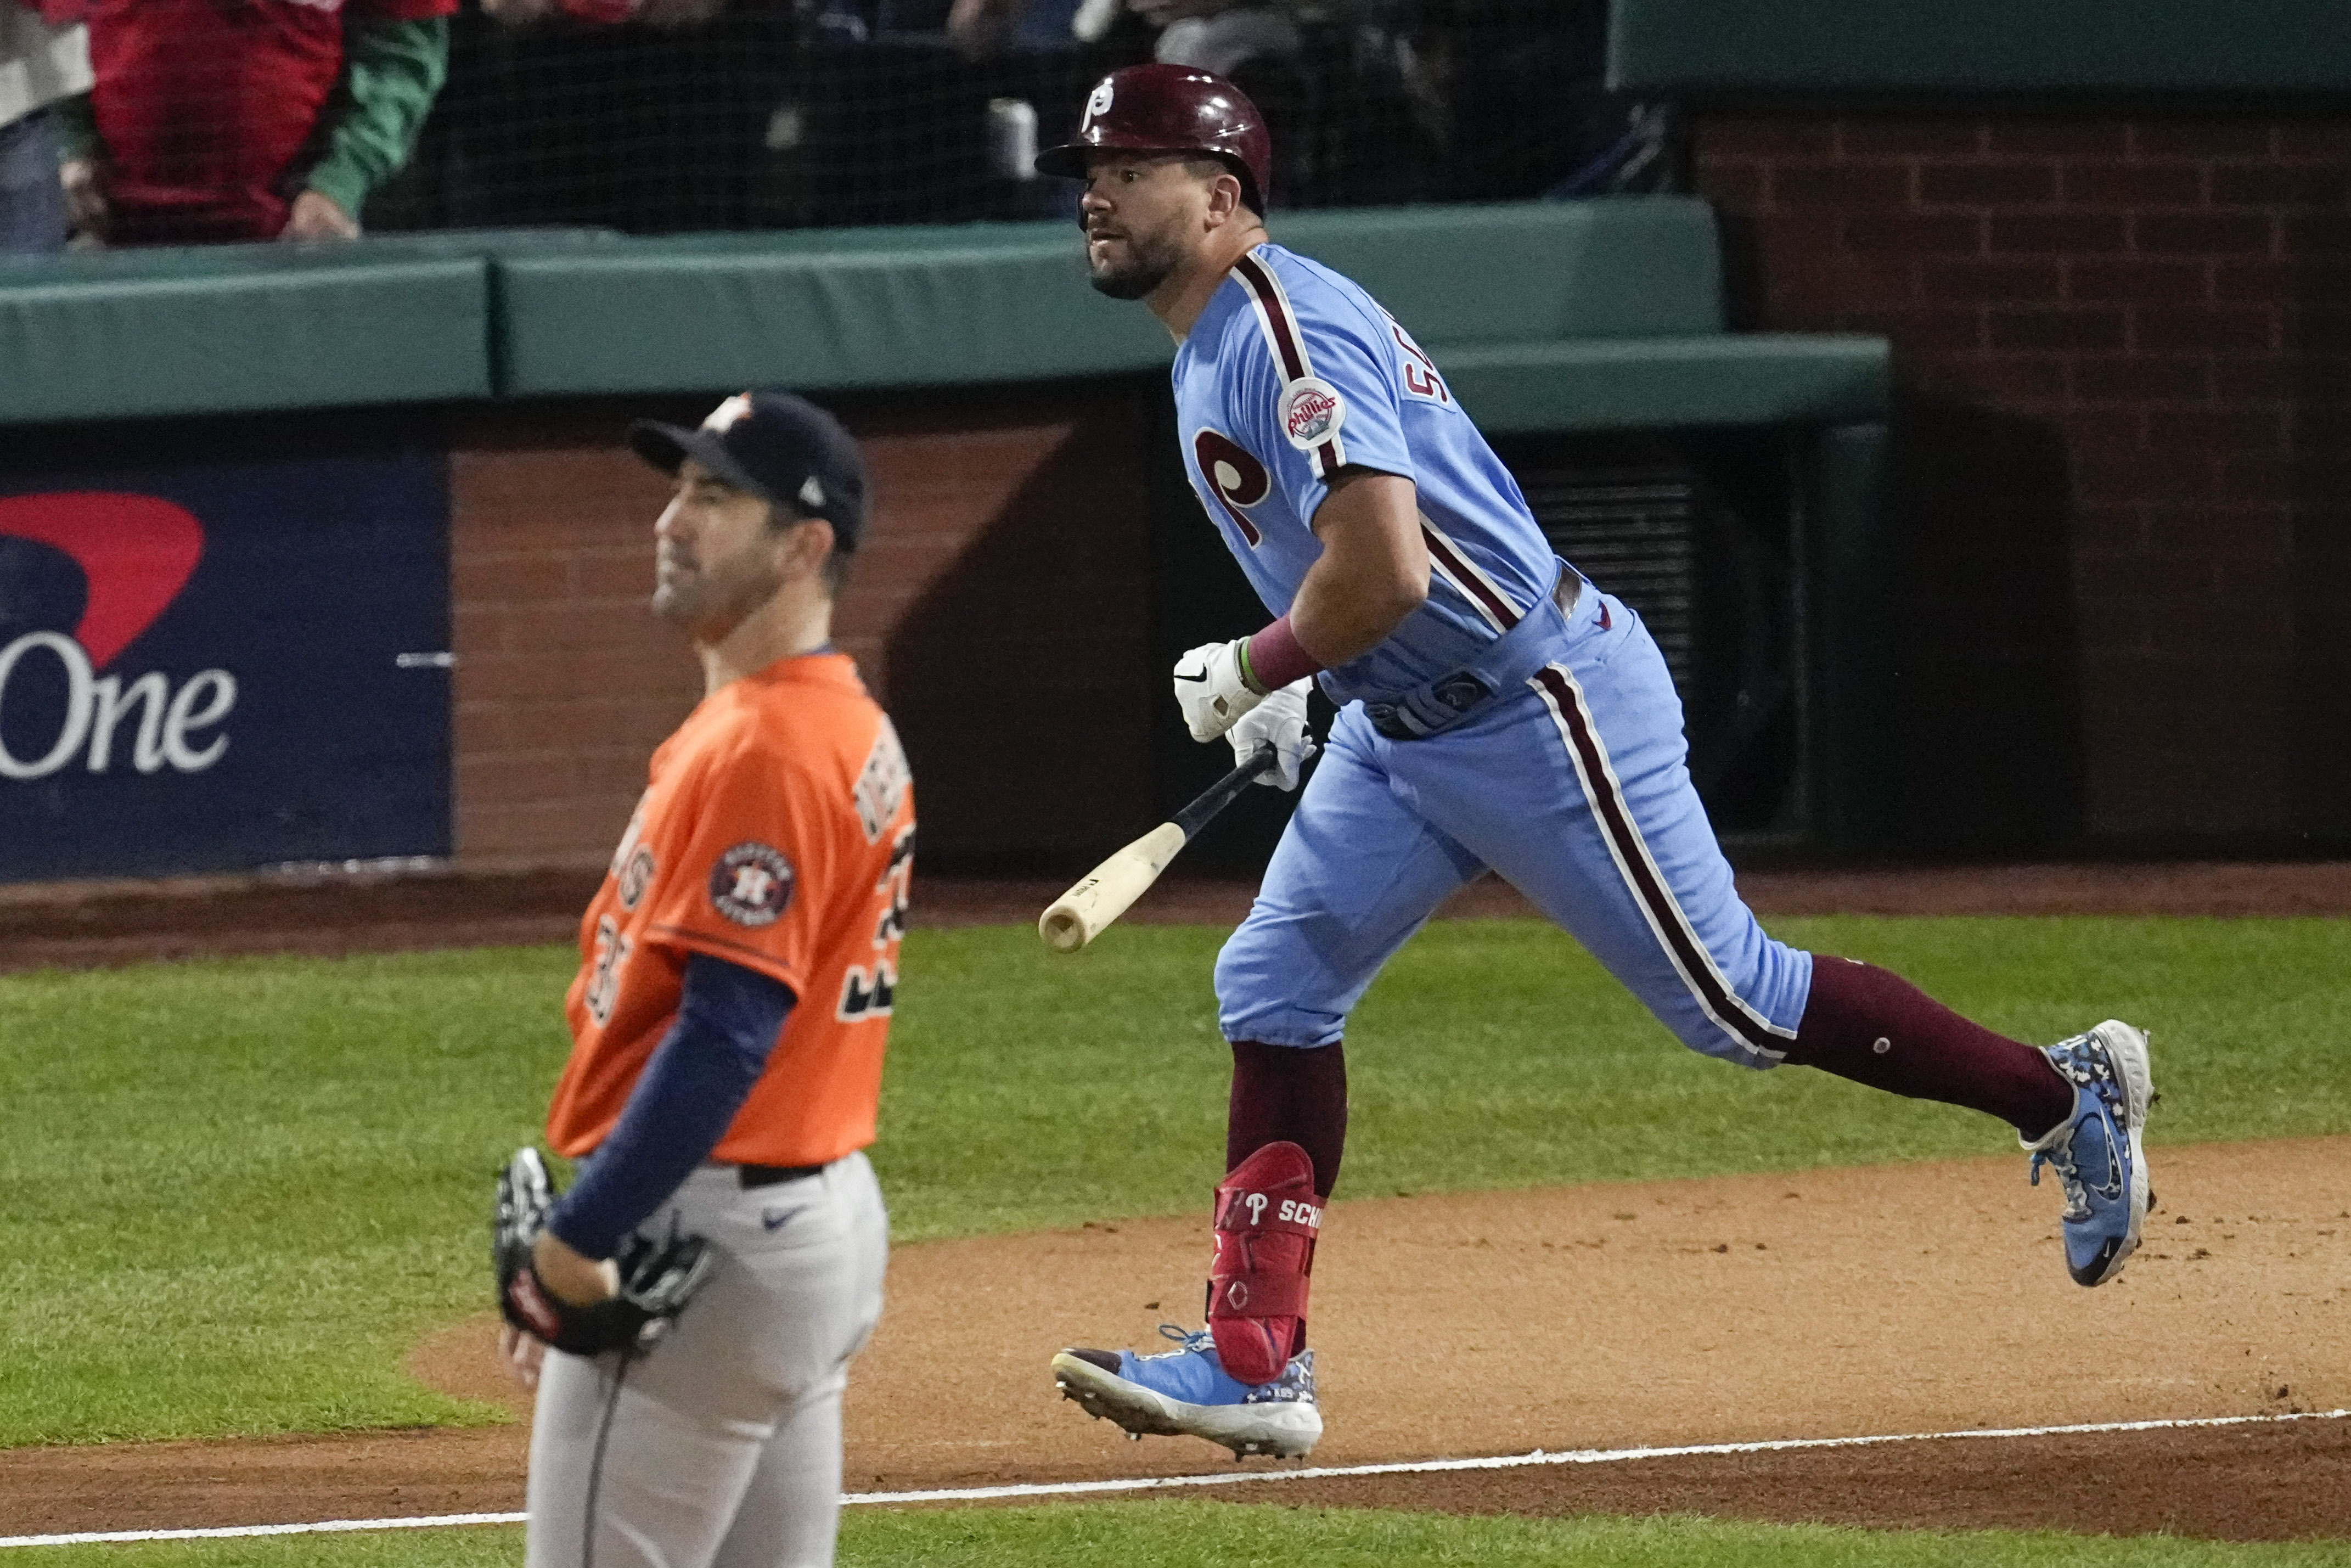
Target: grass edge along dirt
{"type": "Point", "coordinates": [1200, 1534]}
{"type": "Point", "coordinates": [242, 1191]}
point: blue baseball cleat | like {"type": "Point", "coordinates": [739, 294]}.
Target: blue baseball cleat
{"type": "Point", "coordinates": [2095, 1151]}
{"type": "Point", "coordinates": [1186, 1392]}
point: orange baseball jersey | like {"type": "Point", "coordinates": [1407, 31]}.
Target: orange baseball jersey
{"type": "Point", "coordinates": [776, 832]}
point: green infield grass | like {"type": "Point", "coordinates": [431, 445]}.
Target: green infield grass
{"type": "Point", "coordinates": [1223, 1535]}
{"type": "Point", "coordinates": [241, 1191]}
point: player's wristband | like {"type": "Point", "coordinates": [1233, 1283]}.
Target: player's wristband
{"type": "Point", "coordinates": [1275, 657]}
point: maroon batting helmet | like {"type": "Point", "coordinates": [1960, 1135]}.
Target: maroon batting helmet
{"type": "Point", "coordinates": [1171, 109]}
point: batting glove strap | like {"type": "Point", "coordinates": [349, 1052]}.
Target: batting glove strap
{"type": "Point", "coordinates": [1211, 690]}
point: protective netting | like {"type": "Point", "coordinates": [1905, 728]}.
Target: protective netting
{"type": "Point", "coordinates": [800, 113]}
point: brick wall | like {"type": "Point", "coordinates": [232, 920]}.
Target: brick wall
{"type": "Point", "coordinates": [1002, 579]}
{"type": "Point", "coordinates": [2124, 350]}
{"type": "Point", "coordinates": [564, 682]}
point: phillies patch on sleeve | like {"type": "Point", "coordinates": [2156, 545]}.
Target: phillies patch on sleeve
{"type": "Point", "coordinates": [1312, 411]}
{"type": "Point", "coordinates": [751, 885]}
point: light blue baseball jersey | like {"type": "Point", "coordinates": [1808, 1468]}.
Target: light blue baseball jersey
{"type": "Point", "coordinates": [1572, 785]}
{"type": "Point", "coordinates": [1293, 372]}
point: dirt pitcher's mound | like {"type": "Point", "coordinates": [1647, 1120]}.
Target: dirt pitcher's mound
{"type": "Point", "coordinates": [1831, 1303]}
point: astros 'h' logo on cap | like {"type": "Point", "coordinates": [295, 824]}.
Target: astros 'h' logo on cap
{"type": "Point", "coordinates": [722, 418]}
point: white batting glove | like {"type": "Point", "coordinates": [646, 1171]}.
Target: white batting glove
{"type": "Point", "coordinates": [1209, 688]}
{"type": "Point", "coordinates": [1281, 719]}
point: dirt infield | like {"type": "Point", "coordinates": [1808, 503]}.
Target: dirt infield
{"type": "Point", "coordinates": [1826, 1304]}
{"type": "Point", "coordinates": [1831, 1303]}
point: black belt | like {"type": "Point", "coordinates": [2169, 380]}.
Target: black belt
{"type": "Point", "coordinates": [769, 1176]}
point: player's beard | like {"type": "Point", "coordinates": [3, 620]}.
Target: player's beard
{"type": "Point", "coordinates": [710, 599]}
{"type": "Point", "coordinates": [1149, 263]}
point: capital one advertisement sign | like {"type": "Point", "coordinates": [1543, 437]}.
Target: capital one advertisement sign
{"type": "Point", "coordinates": [213, 667]}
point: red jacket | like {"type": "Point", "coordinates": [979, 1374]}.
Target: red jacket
{"type": "Point", "coordinates": [204, 107]}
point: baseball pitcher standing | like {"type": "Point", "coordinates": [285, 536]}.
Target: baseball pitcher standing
{"type": "Point", "coordinates": [1497, 711]}
{"type": "Point", "coordinates": [729, 1016]}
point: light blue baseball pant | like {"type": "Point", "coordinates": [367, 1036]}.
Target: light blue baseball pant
{"type": "Point", "coordinates": [1575, 789]}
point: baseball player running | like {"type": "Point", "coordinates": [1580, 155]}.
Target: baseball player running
{"type": "Point", "coordinates": [1497, 711]}
{"type": "Point", "coordinates": [729, 1016]}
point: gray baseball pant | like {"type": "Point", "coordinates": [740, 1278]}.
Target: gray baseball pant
{"type": "Point", "coordinates": [724, 1441]}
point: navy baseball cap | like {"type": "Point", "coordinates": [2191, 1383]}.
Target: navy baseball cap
{"type": "Point", "coordinates": [782, 448]}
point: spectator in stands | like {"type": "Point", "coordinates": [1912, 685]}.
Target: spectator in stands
{"type": "Point", "coordinates": [1228, 38]}
{"type": "Point", "coordinates": [44, 58]}
{"type": "Point", "coordinates": [1517, 91]}
{"type": "Point", "coordinates": [247, 119]}
{"type": "Point", "coordinates": [981, 28]}
{"type": "Point", "coordinates": [1031, 63]}
{"type": "Point", "coordinates": [1259, 47]}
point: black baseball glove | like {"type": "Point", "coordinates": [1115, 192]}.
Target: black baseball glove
{"type": "Point", "coordinates": [657, 1278]}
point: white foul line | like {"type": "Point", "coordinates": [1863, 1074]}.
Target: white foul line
{"type": "Point", "coordinates": [328, 1527]}
{"type": "Point", "coordinates": [1569, 1457]}
{"type": "Point", "coordinates": [1241, 1478]}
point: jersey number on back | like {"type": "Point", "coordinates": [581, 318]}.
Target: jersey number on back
{"type": "Point", "coordinates": [872, 993]}
{"type": "Point", "coordinates": [1239, 479]}
{"type": "Point", "coordinates": [611, 952]}
{"type": "Point", "coordinates": [1420, 377]}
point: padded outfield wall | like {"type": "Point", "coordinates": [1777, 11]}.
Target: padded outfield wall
{"type": "Point", "coordinates": [2109, 249]}
{"type": "Point", "coordinates": [1036, 559]}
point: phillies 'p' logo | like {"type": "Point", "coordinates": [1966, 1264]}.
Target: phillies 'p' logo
{"type": "Point", "coordinates": [1239, 479]}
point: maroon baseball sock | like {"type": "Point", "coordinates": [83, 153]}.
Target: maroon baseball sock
{"type": "Point", "coordinates": [1283, 1093]}
{"type": "Point", "coordinates": [1876, 1028]}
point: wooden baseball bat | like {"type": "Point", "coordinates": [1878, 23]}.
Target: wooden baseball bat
{"type": "Point", "coordinates": [1080, 915]}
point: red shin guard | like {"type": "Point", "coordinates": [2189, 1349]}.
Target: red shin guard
{"type": "Point", "coordinates": [1267, 1221]}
